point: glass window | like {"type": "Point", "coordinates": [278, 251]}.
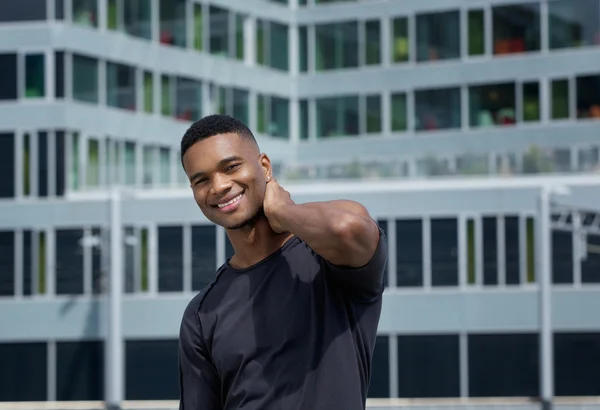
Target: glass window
{"type": "Point", "coordinates": [204, 255]}
{"type": "Point", "coordinates": [303, 48]}
{"type": "Point", "coordinates": [399, 112]}
{"type": "Point", "coordinates": [173, 23]}
{"type": "Point", "coordinates": [492, 104]}
{"type": "Point", "coordinates": [27, 263]}
{"type": "Point", "coordinates": [279, 117]}
{"type": "Point", "coordinates": [137, 18]}
{"type": "Point", "coordinates": [69, 262]}
{"type": "Point", "coordinates": [170, 258]}
{"type": "Point", "coordinates": [379, 387]}
{"type": "Point", "coordinates": [27, 10]}
{"type": "Point", "coordinates": [512, 250]}
{"type": "Point", "coordinates": [24, 371]}
{"type": "Point", "coordinates": [80, 371]}
{"type": "Point", "coordinates": [372, 42]}
{"type": "Point", "coordinates": [470, 250]}
{"type": "Point", "coordinates": [148, 165]}
{"type": "Point", "coordinates": [588, 96]}
{"type": "Point", "coordinates": [503, 365]}
{"type": "Point", "coordinates": [476, 21]}
{"type": "Point", "coordinates": [198, 27]}
{"type": "Point", "coordinates": [166, 94]}
{"type": "Point", "coordinates": [239, 37]}
{"type": "Point", "coordinates": [440, 377]}
{"type": "Point", "coordinates": [444, 252]}
{"type": "Point", "coordinates": [562, 257]}
{"type": "Point", "coordinates": [438, 36]}
{"type": "Point", "coordinates": [148, 92]}
{"type": "Point", "coordinates": [59, 74]}
{"type": "Point", "coordinates": [590, 266]}
{"type": "Point", "coordinates": [373, 114]}
{"type": "Point", "coordinates": [112, 19]}
{"type": "Point", "coordinates": [304, 121]}
{"type": "Point", "coordinates": [400, 44]}
{"type": "Point", "coordinates": [530, 248]}
{"type": "Point", "coordinates": [60, 164]}
{"type": "Point", "coordinates": [8, 79]}
{"type": "Point", "coordinates": [85, 79]}
{"type": "Point", "coordinates": [93, 163]}
{"type": "Point", "coordinates": [151, 370]}
{"type": "Point", "coordinates": [573, 23]}
{"type": "Point", "coordinates": [218, 31]}
{"type": "Point", "coordinates": [337, 116]}
{"type": "Point", "coordinates": [7, 165]}
{"type": "Point", "coordinates": [516, 28]}
{"type": "Point", "coordinates": [188, 100]}
{"type": "Point", "coordinates": [7, 263]}
{"type": "Point", "coordinates": [577, 364]}
{"type": "Point", "coordinates": [560, 99]}
{"type": "Point", "coordinates": [490, 250]}
{"type": "Point", "coordinates": [164, 157]}
{"type": "Point", "coordinates": [42, 175]}
{"type": "Point", "coordinates": [120, 86]}
{"type": "Point", "coordinates": [85, 12]}
{"type": "Point", "coordinates": [336, 46]}
{"type": "Point", "coordinates": [130, 163]}
{"type": "Point", "coordinates": [531, 101]}
{"type": "Point", "coordinates": [241, 105]}
{"type": "Point", "coordinates": [437, 109]}
{"type": "Point", "coordinates": [35, 78]}
{"type": "Point", "coordinates": [278, 46]}
{"type": "Point", "coordinates": [59, 10]}
{"type": "Point", "coordinates": [409, 252]}
{"type": "Point", "coordinates": [26, 166]}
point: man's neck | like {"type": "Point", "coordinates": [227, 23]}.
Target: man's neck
{"type": "Point", "coordinates": [254, 243]}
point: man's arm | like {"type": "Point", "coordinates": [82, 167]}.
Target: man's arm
{"type": "Point", "coordinates": [198, 379]}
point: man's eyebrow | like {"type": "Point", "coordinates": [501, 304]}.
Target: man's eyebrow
{"type": "Point", "coordinates": [221, 163]}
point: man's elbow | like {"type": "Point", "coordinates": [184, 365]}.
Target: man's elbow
{"type": "Point", "coordinates": [357, 238]}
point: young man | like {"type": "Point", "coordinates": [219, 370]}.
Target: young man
{"type": "Point", "coordinates": [290, 321]}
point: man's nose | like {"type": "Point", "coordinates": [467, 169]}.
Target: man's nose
{"type": "Point", "coordinates": [221, 184]}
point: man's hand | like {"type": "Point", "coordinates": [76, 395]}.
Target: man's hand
{"type": "Point", "coordinates": [276, 198]}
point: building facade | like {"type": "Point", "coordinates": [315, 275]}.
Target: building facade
{"type": "Point", "coordinates": [99, 92]}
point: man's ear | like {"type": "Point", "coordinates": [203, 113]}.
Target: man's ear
{"type": "Point", "coordinates": [265, 163]}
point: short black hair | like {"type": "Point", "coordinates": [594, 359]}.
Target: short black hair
{"type": "Point", "coordinates": [212, 125]}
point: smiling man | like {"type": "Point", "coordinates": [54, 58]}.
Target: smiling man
{"type": "Point", "coordinates": [290, 321]}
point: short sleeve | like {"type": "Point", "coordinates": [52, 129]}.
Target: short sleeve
{"type": "Point", "coordinates": [364, 284]}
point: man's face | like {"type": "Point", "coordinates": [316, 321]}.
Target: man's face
{"type": "Point", "coordinates": [228, 177]}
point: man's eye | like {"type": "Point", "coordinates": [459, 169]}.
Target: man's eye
{"type": "Point", "coordinates": [232, 167]}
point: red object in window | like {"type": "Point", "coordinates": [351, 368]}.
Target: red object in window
{"type": "Point", "coordinates": [517, 45]}
{"type": "Point", "coordinates": [166, 37]}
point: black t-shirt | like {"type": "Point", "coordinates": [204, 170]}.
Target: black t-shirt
{"type": "Point", "coordinates": [291, 332]}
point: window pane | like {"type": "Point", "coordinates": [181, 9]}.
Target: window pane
{"type": "Point", "coordinates": [590, 267]}
{"type": "Point", "coordinates": [476, 32]}
{"type": "Point", "coordinates": [137, 18]}
{"type": "Point", "coordinates": [530, 237]}
{"type": "Point", "coordinates": [8, 79]}
{"type": "Point", "coordinates": [577, 364]}
{"type": "Point", "coordinates": [573, 23]}
{"type": "Point", "coordinates": [372, 42]}
{"type": "Point", "coordinates": [219, 31]}
{"type": "Point", "coordinates": [278, 46]}
{"type": "Point", "coordinates": [7, 165]}
{"type": "Point", "coordinates": [60, 163]}
{"type": "Point", "coordinates": [444, 252]}
{"type": "Point", "coordinates": [204, 255]}
{"type": "Point", "coordinates": [69, 262]}
{"type": "Point", "coordinates": [279, 125]}
{"type": "Point", "coordinates": [560, 99]}
{"type": "Point", "coordinates": [74, 177]}
{"type": "Point", "coordinates": [437, 109]}
{"type": "Point", "coordinates": [42, 175]}
{"type": "Point", "coordinates": [336, 46]}
{"type": "Point", "coordinates": [148, 92]}
{"type": "Point", "coordinates": [23, 372]}
{"type": "Point", "coordinates": [35, 76]}
{"type": "Point", "coordinates": [79, 371]}
{"type": "Point", "coordinates": [503, 365]}
{"type": "Point", "coordinates": [399, 113]}
{"type": "Point", "coordinates": [170, 258]}
{"type": "Point", "coordinates": [113, 15]}
{"type": "Point", "coordinates": [27, 263]}
{"type": "Point", "coordinates": [516, 28]}
{"type": "Point", "coordinates": [562, 257]}
{"type": "Point", "coordinates": [512, 250]}
{"type": "Point", "coordinates": [492, 104]}
{"type": "Point", "coordinates": [85, 12]}
{"type": "Point", "coordinates": [189, 99]}
{"type": "Point", "coordinates": [409, 252]}
{"type": "Point", "coordinates": [85, 79]}
{"type": "Point", "coordinates": [173, 22]}
{"type": "Point", "coordinates": [303, 49]}
{"type": "Point", "coordinates": [490, 250]}
{"type": "Point", "coordinates": [120, 83]}
{"type": "Point", "coordinates": [198, 27]}
{"type": "Point", "coordinates": [7, 263]}
{"type": "Point", "coordinates": [304, 121]}
{"type": "Point", "coordinates": [471, 269]}
{"type": "Point", "coordinates": [373, 108]}
{"type": "Point", "coordinates": [130, 163]}
{"type": "Point", "coordinates": [239, 37]}
{"type": "Point", "coordinates": [148, 165]}
{"type": "Point", "coordinates": [59, 74]}
{"type": "Point", "coordinates": [241, 105]}
{"type": "Point", "coordinates": [151, 370]}
{"type": "Point", "coordinates": [164, 166]}
{"type": "Point", "coordinates": [400, 44]}
{"type": "Point", "coordinates": [337, 116]}
{"type": "Point", "coordinates": [23, 10]}
{"type": "Point", "coordinates": [428, 366]}
{"type": "Point", "coordinates": [438, 36]}
{"type": "Point", "coordinates": [93, 163]}
{"type": "Point", "coordinates": [379, 386]}
{"type": "Point", "coordinates": [588, 96]}
{"type": "Point", "coordinates": [166, 94]}
{"type": "Point", "coordinates": [531, 102]}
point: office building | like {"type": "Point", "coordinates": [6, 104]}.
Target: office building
{"type": "Point", "coordinates": [97, 93]}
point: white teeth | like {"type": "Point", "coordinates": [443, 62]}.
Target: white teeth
{"type": "Point", "coordinates": [237, 198]}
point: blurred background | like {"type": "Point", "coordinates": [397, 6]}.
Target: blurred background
{"type": "Point", "coordinates": [469, 128]}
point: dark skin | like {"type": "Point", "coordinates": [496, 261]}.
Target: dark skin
{"type": "Point", "coordinates": [225, 166]}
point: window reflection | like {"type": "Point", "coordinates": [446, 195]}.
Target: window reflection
{"type": "Point", "coordinates": [337, 116]}
{"type": "Point", "coordinates": [437, 109]}
{"type": "Point", "coordinates": [588, 96]}
{"type": "Point", "coordinates": [219, 31]}
{"type": "Point", "coordinates": [85, 79]}
{"type": "Point", "coordinates": [516, 28]}
{"type": "Point", "coordinates": [120, 83]}
{"type": "Point", "coordinates": [188, 100]}
{"type": "Point", "coordinates": [573, 23]}
{"type": "Point", "coordinates": [34, 76]}
{"type": "Point", "coordinates": [137, 18]}
{"type": "Point", "coordinates": [438, 36]}
{"type": "Point", "coordinates": [85, 12]}
{"type": "Point", "coordinates": [476, 30]}
{"type": "Point", "coordinates": [531, 101]}
{"type": "Point", "coordinates": [400, 44]}
{"type": "Point", "coordinates": [336, 45]}
{"type": "Point", "coordinates": [492, 104]}
{"type": "Point", "coordinates": [172, 22]}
